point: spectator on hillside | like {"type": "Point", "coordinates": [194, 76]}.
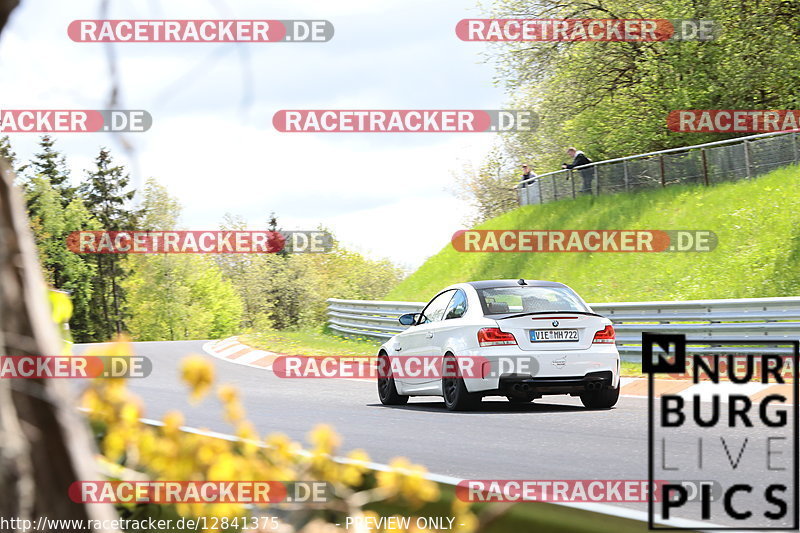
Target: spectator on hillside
{"type": "Point", "coordinates": [578, 160]}
{"type": "Point", "coordinates": [531, 192]}
{"type": "Point", "coordinates": [527, 174]}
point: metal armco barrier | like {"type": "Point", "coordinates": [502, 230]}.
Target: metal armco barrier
{"type": "Point", "coordinates": [761, 319]}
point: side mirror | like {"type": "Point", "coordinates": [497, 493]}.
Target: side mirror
{"type": "Point", "coordinates": [408, 319]}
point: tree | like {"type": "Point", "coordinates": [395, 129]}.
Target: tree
{"type": "Point", "coordinates": [45, 446]}
{"type": "Point", "coordinates": [51, 224]}
{"type": "Point", "coordinates": [340, 273]}
{"type": "Point", "coordinates": [177, 296]}
{"type": "Point", "coordinates": [246, 272]}
{"type": "Point", "coordinates": [51, 165]}
{"type": "Point", "coordinates": [490, 189]}
{"type": "Point", "coordinates": [272, 225]}
{"type": "Point", "coordinates": [281, 291]}
{"type": "Point", "coordinates": [6, 152]}
{"type": "Point", "coordinates": [611, 99]}
{"type": "Point", "coordinates": [107, 197]}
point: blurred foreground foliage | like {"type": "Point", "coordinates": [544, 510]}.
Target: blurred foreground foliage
{"type": "Point", "coordinates": [168, 453]}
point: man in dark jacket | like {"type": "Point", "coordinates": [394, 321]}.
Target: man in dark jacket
{"type": "Point", "coordinates": [578, 160]}
{"type": "Point", "coordinates": [527, 174]}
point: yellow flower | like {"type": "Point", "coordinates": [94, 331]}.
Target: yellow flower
{"type": "Point", "coordinates": [227, 394]}
{"type": "Point", "coordinates": [324, 438]}
{"type": "Point", "coordinates": [114, 444]}
{"type": "Point", "coordinates": [224, 468]}
{"type": "Point", "coordinates": [352, 474]}
{"type": "Point", "coordinates": [234, 411]}
{"type": "Point", "coordinates": [198, 373]}
{"type": "Point", "coordinates": [130, 414]}
{"type": "Point", "coordinates": [408, 482]}
{"type": "Point", "coordinates": [465, 520]}
{"type": "Point", "coordinates": [283, 448]}
{"type": "Point", "coordinates": [173, 420]}
{"type": "Point", "coordinates": [249, 436]}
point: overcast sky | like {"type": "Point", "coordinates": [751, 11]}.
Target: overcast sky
{"type": "Point", "coordinates": [212, 143]}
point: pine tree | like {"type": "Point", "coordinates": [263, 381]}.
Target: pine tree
{"type": "Point", "coordinates": [51, 224]}
{"type": "Point", "coordinates": [52, 220]}
{"type": "Point", "coordinates": [273, 226]}
{"type": "Point", "coordinates": [6, 152]}
{"type": "Point", "coordinates": [51, 165]}
{"type": "Point", "coordinates": [107, 197]}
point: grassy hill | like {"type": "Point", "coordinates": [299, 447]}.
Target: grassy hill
{"type": "Point", "coordinates": [757, 223]}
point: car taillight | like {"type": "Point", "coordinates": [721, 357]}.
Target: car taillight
{"type": "Point", "coordinates": [605, 336]}
{"type": "Point", "coordinates": [495, 337]}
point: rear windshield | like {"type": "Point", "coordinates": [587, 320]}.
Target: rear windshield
{"type": "Point", "coordinates": [527, 299]}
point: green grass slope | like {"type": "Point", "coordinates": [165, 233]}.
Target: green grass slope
{"type": "Point", "coordinates": [757, 223]}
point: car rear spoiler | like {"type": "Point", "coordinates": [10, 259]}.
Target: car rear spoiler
{"type": "Point", "coordinates": [517, 315]}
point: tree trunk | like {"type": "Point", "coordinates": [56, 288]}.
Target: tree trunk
{"type": "Point", "coordinates": [45, 445]}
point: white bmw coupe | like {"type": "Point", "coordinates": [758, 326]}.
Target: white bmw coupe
{"type": "Point", "coordinates": [521, 339]}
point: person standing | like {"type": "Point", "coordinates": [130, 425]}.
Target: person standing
{"type": "Point", "coordinates": [579, 159]}
{"type": "Point", "coordinates": [532, 192]}
{"type": "Point", "coordinates": [527, 174]}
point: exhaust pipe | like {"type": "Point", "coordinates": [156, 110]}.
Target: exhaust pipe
{"type": "Point", "coordinates": [521, 387]}
{"type": "Point", "coordinates": [594, 385]}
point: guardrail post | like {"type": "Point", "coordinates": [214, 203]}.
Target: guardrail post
{"type": "Point", "coordinates": [555, 187]}
{"type": "Point", "coordinates": [597, 180]}
{"type": "Point", "coordinates": [661, 167]}
{"type": "Point", "coordinates": [625, 174]}
{"type": "Point", "coordinates": [796, 148]}
{"type": "Point", "coordinates": [705, 165]}
{"type": "Point", "coordinates": [539, 184]}
{"type": "Point", "coordinates": [747, 162]}
{"type": "Point", "coordinates": [572, 181]}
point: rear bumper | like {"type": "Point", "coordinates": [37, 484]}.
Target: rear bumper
{"type": "Point", "coordinates": [549, 372]}
{"type": "Point", "coordinates": [536, 387]}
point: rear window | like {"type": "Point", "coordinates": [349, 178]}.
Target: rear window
{"type": "Point", "coordinates": [527, 299]}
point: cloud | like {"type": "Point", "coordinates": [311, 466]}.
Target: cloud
{"type": "Point", "coordinates": [212, 143]}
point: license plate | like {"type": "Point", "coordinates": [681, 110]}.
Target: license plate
{"type": "Point", "coordinates": [554, 335]}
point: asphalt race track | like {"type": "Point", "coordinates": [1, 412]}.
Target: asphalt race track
{"type": "Point", "coordinates": [550, 439]}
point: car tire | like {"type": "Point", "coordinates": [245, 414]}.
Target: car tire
{"type": "Point", "coordinates": [600, 399]}
{"type": "Point", "coordinates": [387, 390]}
{"type": "Point", "coordinates": [454, 390]}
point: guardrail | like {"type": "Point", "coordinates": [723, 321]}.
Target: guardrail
{"type": "Point", "coordinates": [710, 163]}
{"type": "Point", "coordinates": [754, 319]}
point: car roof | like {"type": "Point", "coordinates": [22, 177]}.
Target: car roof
{"type": "Point", "coordinates": [499, 283]}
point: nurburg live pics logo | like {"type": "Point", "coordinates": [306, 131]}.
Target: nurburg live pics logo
{"type": "Point", "coordinates": [739, 426]}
